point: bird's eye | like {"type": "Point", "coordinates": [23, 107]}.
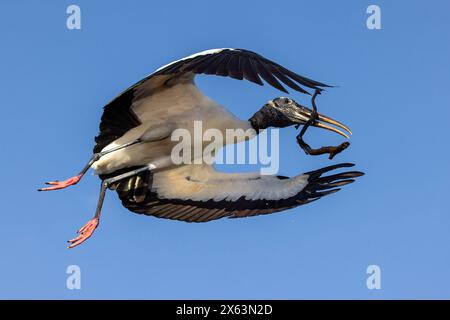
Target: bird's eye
{"type": "Point", "coordinates": [287, 100]}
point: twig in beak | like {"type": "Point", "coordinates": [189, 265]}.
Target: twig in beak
{"type": "Point", "coordinates": [331, 150]}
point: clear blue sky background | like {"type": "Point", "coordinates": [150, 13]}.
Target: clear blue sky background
{"type": "Point", "coordinates": [393, 92]}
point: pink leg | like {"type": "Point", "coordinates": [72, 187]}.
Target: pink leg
{"type": "Point", "coordinates": [74, 180]}
{"type": "Point", "coordinates": [62, 184]}
{"type": "Point", "coordinates": [88, 229]}
{"type": "Point", "coordinates": [84, 233]}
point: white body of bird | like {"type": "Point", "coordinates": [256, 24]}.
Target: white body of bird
{"type": "Point", "coordinates": [161, 112]}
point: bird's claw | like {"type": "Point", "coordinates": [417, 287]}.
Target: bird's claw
{"type": "Point", "coordinates": [56, 185]}
{"type": "Point", "coordinates": [84, 233]}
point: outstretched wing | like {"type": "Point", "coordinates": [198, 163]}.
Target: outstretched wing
{"type": "Point", "coordinates": [198, 193]}
{"type": "Point", "coordinates": [118, 116]}
{"type": "Point", "coordinates": [239, 64]}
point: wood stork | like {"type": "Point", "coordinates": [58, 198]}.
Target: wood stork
{"type": "Point", "coordinates": [133, 148]}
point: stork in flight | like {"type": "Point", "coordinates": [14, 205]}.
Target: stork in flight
{"type": "Point", "coordinates": [132, 154]}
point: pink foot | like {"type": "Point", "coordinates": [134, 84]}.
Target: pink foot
{"type": "Point", "coordinates": [62, 184]}
{"type": "Point", "coordinates": [84, 233]}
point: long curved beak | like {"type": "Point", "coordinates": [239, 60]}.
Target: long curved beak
{"type": "Point", "coordinates": [336, 123]}
{"type": "Point", "coordinates": [324, 121]}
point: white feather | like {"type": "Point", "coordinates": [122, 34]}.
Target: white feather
{"type": "Point", "coordinates": [203, 183]}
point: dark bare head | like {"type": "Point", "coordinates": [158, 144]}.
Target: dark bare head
{"type": "Point", "coordinates": [284, 112]}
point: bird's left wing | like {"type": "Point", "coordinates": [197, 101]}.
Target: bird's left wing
{"type": "Point", "coordinates": [198, 193]}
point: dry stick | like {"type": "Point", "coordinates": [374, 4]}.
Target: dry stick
{"type": "Point", "coordinates": [331, 150]}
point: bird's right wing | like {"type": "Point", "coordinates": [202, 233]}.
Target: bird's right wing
{"type": "Point", "coordinates": [198, 193]}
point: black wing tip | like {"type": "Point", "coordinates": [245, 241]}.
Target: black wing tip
{"type": "Point", "coordinates": [319, 87]}
{"type": "Point", "coordinates": [329, 168]}
{"type": "Point", "coordinates": [312, 84]}
{"type": "Point", "coordinates": [284, 90]}
{"type": "Point", "coordinates": [324, 85]}
{"type": "Point", "coordinates": [319, 185]}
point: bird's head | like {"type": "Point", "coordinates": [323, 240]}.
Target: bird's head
{"type": "Point", "coordinates": [283, 112]}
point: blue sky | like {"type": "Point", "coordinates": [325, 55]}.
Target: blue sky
{"type": "Point", "coordinates": [392, 91]}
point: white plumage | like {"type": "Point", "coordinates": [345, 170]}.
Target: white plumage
{"type": "Point", "coordinates": [177, 106]}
